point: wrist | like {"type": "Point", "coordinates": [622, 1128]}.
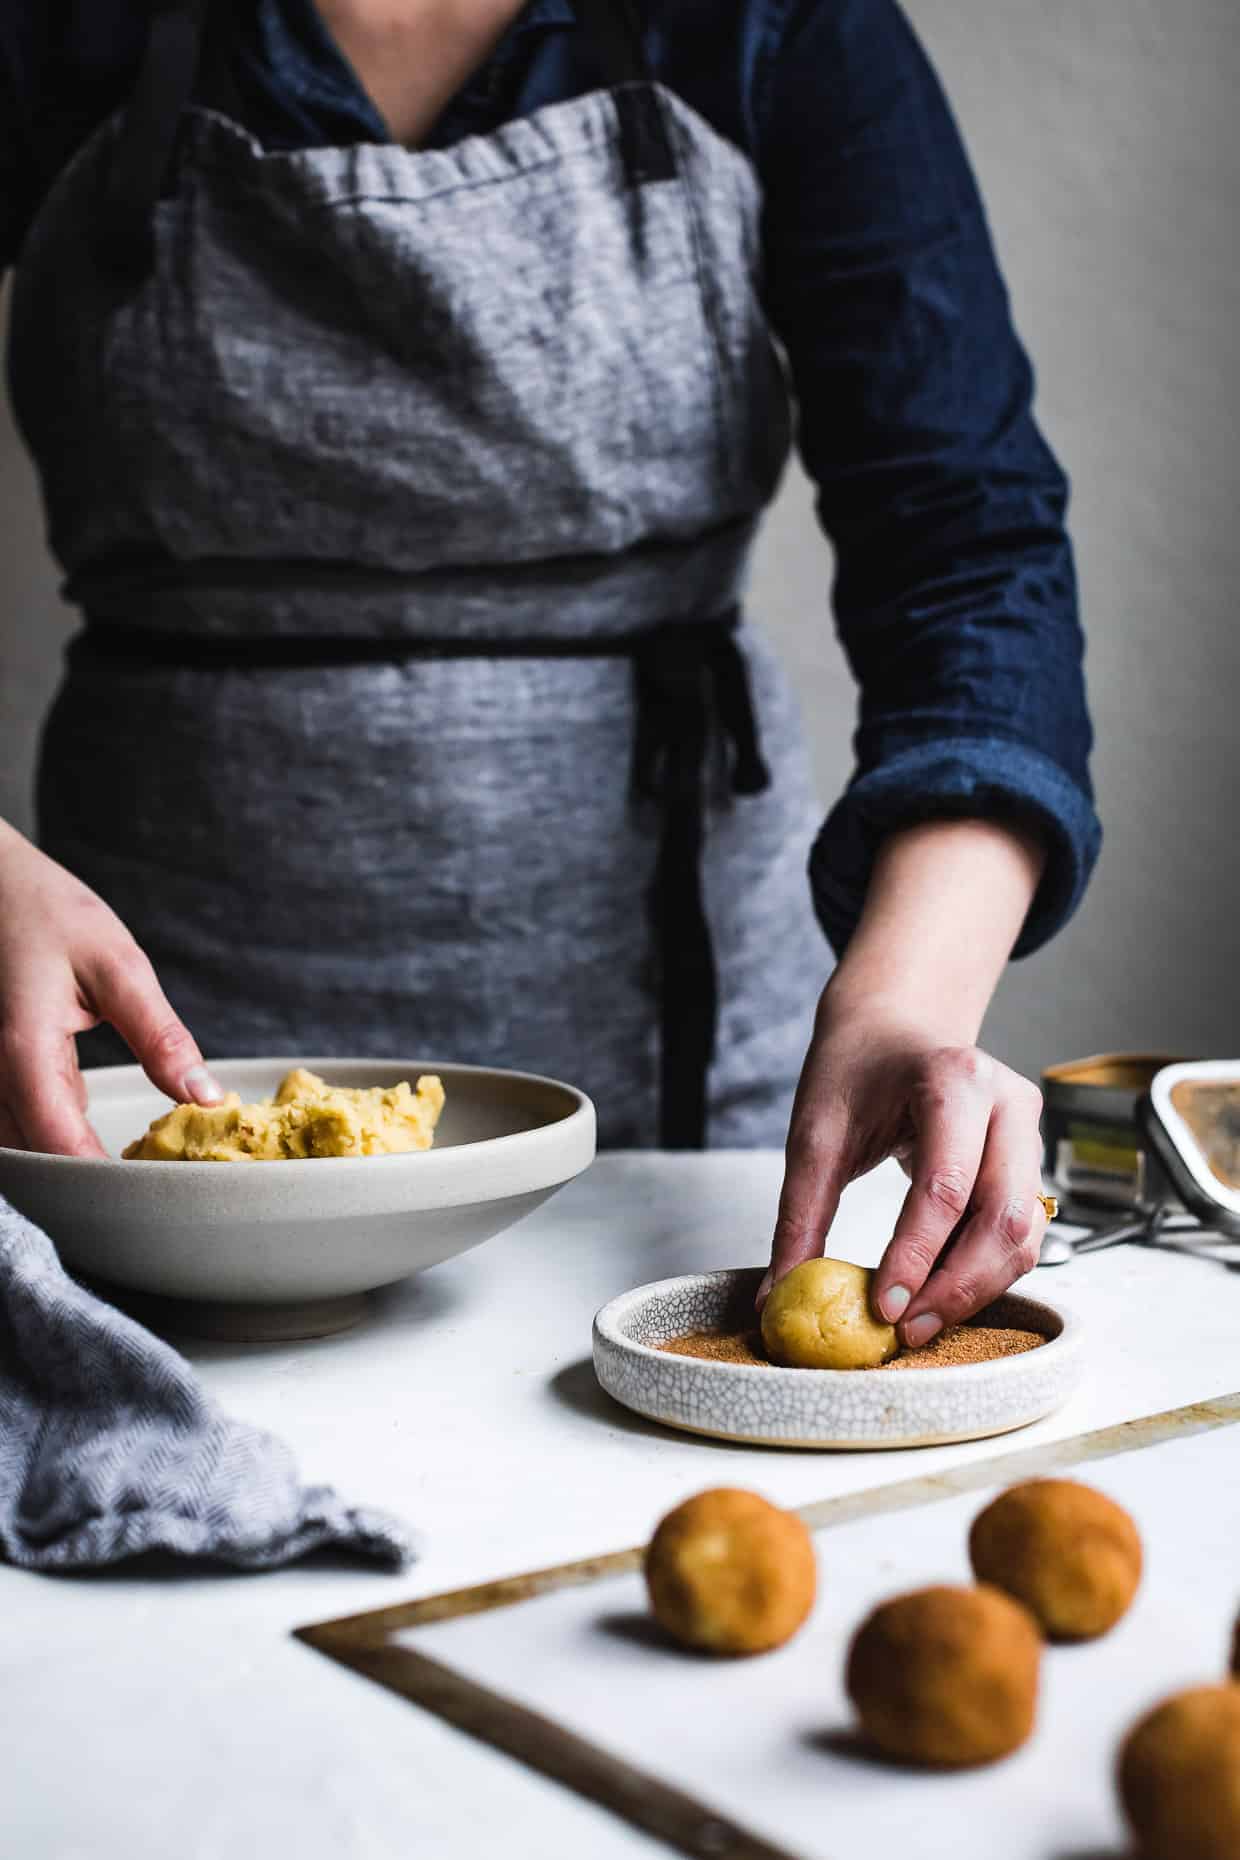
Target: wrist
{"type": "Point", "coordinates": [910, 1006]}
{"type": "Point", "coordinates": [945, 905]}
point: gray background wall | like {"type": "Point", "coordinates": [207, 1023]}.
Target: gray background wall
{"type": "Point", "coordinates": [1101, 134]}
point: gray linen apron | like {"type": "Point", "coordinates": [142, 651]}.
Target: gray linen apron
{"type": "Point", "coordinates": [408, 496]}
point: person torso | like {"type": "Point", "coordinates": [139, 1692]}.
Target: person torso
{"type": "Point", "coordinates": [517, 388]}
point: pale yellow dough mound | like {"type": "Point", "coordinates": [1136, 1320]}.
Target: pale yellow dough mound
{"type": "Point", "coordinates": [305, 1118]}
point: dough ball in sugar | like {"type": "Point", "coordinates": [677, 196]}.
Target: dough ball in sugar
{"type": "Point", "coordinates": [946, 1676]}
{"type": "Point", "coordinates": [820, 1316]}
{"type": "Point", "coordinates": [729, 1573]}
{"type": "Point", "coordinates": [1069, 1553]}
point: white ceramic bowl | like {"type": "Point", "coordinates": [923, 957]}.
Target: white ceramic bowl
{"type": "Point", "coordinates": [766, 1406]}
{"type": "Point", "coordinates": [288, 1248]}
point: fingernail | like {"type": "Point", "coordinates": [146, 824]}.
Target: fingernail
{"type": "Point", "coordinates": [765, 1286]}
{"type": "Point", "coordinates": [922, 1329]}
{"type": "Point", "coordinates": [894, 1302]}
{"type": "Point", "coordinates": [201, 1087]}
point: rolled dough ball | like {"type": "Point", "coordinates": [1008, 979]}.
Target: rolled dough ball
{"type": "Point", "coordinates": [729, 1573]}
{"type": "Point", "coordinates": [819, 1316]}
{"type": "Point", "coordinates": [946, 1676]}
{"type": "Point", "coordinates": [1179, 1776]}
{"type": "Point", "coordinates": [1070, 1554]}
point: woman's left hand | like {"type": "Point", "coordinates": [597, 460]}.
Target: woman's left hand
{"type": "Point", "coordinates": [879, 1081]}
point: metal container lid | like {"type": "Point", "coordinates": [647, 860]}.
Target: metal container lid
{"type": "Point", "coordinates": [1192, 1119]}
{"type": "Point", "coordinates": [1106, 1086]}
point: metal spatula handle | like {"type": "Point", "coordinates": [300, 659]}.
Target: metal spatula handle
{"type": "Point", "coordinates": [1140, 1227]}
{"type": "Point", "coordinates": [1057, 1250]}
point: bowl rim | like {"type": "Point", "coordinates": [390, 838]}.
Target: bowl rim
{"type": "Point", "coordinates": [582, 1113]}
{"type": "Point", "coordinates": [608, 1318]}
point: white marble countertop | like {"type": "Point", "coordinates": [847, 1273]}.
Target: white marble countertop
{"type": "Point", "coordinates": [174, 1715]}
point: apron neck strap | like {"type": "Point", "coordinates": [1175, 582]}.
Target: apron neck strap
{"type": "Point", "coordinates": [147, 132]}
{"type": "Point", "coordinates": [216, 88]}
{"type": "Point", "coordinates": [616, 28]}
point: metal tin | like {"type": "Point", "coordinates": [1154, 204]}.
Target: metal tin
{"type": "Point", "coordinates": [1191, 1121]}
{"type": "Point", "coordinates": [1094, 1150]}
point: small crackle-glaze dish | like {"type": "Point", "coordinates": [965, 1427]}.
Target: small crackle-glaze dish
{"type": "Point", "coordinates": [761, 1405]}
{"type": "Point", "coordinates": [264, 1250]}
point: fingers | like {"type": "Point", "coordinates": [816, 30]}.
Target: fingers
{"type": "Point", "coordinates": [43, 1100]}
{"type": "Point", "coordinates": [42, 1092]}
{"type": "Point", "coordinates": [1001, 1238]}
{"type": "Point", "coordinates": [950, 1109]}
{"type": "Point", "coordinates": [965, 1127]}
{"type": "Point", "coordinates": [815, 1177]}
{"type": "Point", "coordinates": [125, 991]}
{"type": "Point", "coordinates": [67, 962]}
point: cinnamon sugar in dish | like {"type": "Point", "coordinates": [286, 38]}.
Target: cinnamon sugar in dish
{"type": "Point", "coordinates": [721, 1346]}
{"type": "Point", "coordinates": [969, 1343]}
{"type": "Point", "coordinates": [963, 1343]}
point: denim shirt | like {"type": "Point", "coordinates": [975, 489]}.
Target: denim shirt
{"type": "Point", "coordinates": [954, 590]}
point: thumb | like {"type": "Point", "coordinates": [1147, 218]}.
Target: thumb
{"type": "Point", "coordinates": [126, 992]}
{"type": "Point", "coordinates": [815, 1176]}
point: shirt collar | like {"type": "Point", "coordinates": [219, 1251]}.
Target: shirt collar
{"type": "Point", "coordinates": [536, 16]}
{"type": "Point", "coordinates": [297, 47]}
{"type": "Point", "coordinates": [543, 13]}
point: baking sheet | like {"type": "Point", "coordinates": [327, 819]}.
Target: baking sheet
{"type": "Point", "coordinates": [766, 1742]}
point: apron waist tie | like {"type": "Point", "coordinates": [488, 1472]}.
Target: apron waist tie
{"type": "Point", "coordinates": [689, 676]}
{"type": "Point", "coordinates": [692, 694]}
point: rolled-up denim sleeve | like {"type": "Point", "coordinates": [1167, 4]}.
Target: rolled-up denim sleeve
{"type": "Point", "coordinates": [954, 589]}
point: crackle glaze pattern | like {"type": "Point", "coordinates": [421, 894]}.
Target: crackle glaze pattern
{"type": "Point", "coordinates": [820, 1407]}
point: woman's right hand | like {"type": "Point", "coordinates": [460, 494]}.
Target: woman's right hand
{"type": "Point", "coordinates": [67, 963]}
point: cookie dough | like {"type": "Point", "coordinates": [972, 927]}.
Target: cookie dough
{"type": "Point", "coordinates": [946, 1676]}
{"type": "Point", "coordinates": [1070, 1554]}
{"type": "Point", "coordinates": [819, 1316]}
{"type": "Point", "coordinates": [1179, 1776]}
{"type": "Point", "coordinates": [729, 1573]}
{"type": "Point", "coordinates": [307, 1117]}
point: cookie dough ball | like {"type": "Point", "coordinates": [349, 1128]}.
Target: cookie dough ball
{"type": "Point", "coordinates": [819, 1317]}
{"type": "Point", "coordinates": [729, 1573]}
{"type": "Point", "coordinates": [1179, 1777]}
{"type": "Point", "coordinates": [946, 1676]}
{"type": "Point", "coordinates": [1071, 1555]}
